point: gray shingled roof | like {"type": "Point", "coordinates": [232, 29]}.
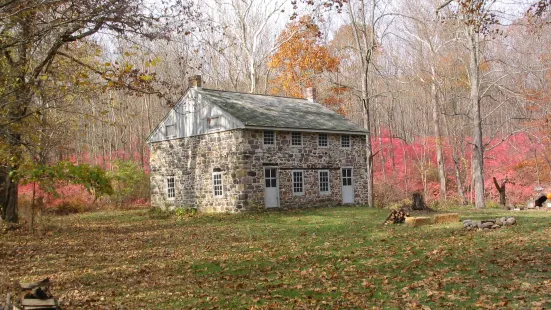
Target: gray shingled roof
{"type": "Point", "coordinates": [279, 112]}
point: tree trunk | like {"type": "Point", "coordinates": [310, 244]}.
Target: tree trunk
{"type": "Point", "coordinates": [9, 194]}
{"type": "Point", "coordinates": [3, 189]}
{"type": "Point", "coordinates": [478, 147]}
{"type": "Point", "coordinates": [369, 151]}
{"type": "Point", "coordinates": [457, 167]}
{"type": "Point", "coordinates": [501, 191]}
{"type": "Point", "coordinates": [438, 136]}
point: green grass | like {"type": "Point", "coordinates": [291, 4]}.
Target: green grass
{"type": "Point", "coordinates": [328, 258]}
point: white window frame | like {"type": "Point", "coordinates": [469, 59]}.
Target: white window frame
{"type": "Point", "coordinates": [301, 193]}
{"type": "Point", "coordinates": [326, 140]}
{"type": "Point", "coordinates": [169, 188]}
{"type": "Point", "coordinates": [328, 182]}
{"type": "Point", "coordinates": [351, 175]}
{"type": "Point", "coordinates": [349, 142]}
{"type": "Point", "coordinates": [264, 139]}
{"type": "Point", "coordinates": [175, 131]}
{"type": "Point", "coordinates": [300, 134]}
{"type": "Point", "coordinates": [216, 120]}
{"type": "Point", "coordinates": [214, 174]}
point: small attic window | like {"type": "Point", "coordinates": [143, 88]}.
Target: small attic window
{"type": "Point", "coordinates": [170, 131]}
{"type": "Point", "coordinates": [214, 123]}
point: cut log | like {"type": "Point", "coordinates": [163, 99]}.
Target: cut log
{"type": "Point", "coordinates": [43, 304]}
{"type": "Point", "coordinates": [8, 302]}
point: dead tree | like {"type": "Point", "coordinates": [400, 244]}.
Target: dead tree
{"type": "Point", "coordinates": [501, 190]}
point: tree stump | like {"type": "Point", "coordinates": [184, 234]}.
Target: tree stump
{"type": "Point", "coordinates": [418, 202]}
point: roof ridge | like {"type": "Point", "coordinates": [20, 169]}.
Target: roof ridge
{"type": "Point", "coordinates": [264, 95]}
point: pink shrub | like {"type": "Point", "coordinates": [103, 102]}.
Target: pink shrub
{"type": "Point", "coordinates": [406, 166]}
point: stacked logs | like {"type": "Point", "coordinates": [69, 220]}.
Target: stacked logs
{"type": "Point", "coordinates": [396, 217]}
{"type": "Point", "coordinates": [489, 224]}
{"type": "Point", "coordinates": [34, 296]}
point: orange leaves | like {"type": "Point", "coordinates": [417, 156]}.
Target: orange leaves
{"type": "Point", "coordinates": [300, 58]}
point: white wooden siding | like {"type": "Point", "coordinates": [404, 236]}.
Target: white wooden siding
{"type": "Point", "coordinates": [194, 116]}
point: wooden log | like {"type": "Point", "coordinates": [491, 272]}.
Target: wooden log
{"type": "Point", "coordinates": [446, 218]}
{"type": "Point", "coordinates": [8, 302]}
{"type": "Point", "coordinates": [29, 286]}
{"type": "Point", "coordinates": [43, 304]}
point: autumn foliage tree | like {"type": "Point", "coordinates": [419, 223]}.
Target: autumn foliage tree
{"type": "Point", "coordinates": [34, 35]}
{"type": "Point", "coordinates": [300, 59]}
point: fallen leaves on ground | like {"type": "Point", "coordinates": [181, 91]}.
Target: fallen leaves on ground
{"type": "Point", "coordinates": [321, 258]}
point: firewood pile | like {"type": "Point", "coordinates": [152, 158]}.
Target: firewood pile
{"type": "Point", "coordinates": [489, 224]}
{"type": "Point", "coordinates": [396, 217]}
{"type": "Point", "coordinates": [33, 296]}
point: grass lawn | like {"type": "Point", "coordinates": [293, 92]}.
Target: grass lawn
{"type": "Point", "coordinates": [328, 258]}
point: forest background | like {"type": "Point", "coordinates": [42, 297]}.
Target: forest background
{"type": "Point", "coordinates": [454, 93]}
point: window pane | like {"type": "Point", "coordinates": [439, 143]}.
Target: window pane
{"type": "Point", "coordinates": [171, 192]}
{"type": "Point", "coordinates": [217, 184]}
{"type": "Point", "coordinates": [274, 182]}
{"type": "Point", "coordinates": [322, 139]}
{"type": "Point", "coordinates": [269, 137]}
{"type": "Point", "coordinates": [296, 138]}
{"type": "Point", "coordinates": [345, 141]}
{"type": "Point", "coordinates": [297, 182]}
{"type": "Point", "coordinates": [324, 181]}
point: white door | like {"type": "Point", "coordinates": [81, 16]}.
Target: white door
{"type": "Point", "coordinates": [347, 186]}
{"type": "Point", "coordinates": [271, 193]}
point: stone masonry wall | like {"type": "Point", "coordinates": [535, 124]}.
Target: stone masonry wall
{"type": "Point", "coordinates": [192, 161]}
{"type": "Point", "coordinates": [310, 159]}
{"type": "Point", "coordinates": [241, 157]}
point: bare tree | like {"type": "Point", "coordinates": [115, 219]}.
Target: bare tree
{"type": "Point", "coordinates": [250, 25]}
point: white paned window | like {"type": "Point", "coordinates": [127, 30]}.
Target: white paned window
{"type": "Point", "coordinates": [269, 137]}
{"type": "Point", "coordinates": [170, 131]}
{"type": "Point", "coordinates": [217, 184]}
{"type": "Point", "coordinates": [324, 182]}
{"type": "Point", "coordinates": [346, 176]}
{"type": "Point", "coordinates": [322, 140]}
{"type": "Point", "coordinates": [170, 187]}
{"type": "Point", "coordinates": [298, 183]}
{"type": "Point", "coordinates": [296, 138]}
{"type": "Point", "coordinates": [345, 141]}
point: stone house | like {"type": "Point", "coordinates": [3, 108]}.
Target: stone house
{"type": "Point", "coordinates": [221, 151]}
